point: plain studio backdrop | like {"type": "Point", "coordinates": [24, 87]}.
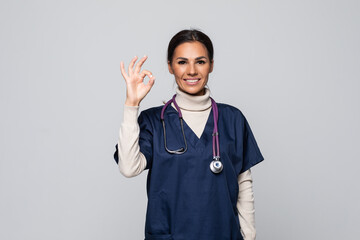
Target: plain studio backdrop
{"type": "Point", "coordinates": [292, 67]}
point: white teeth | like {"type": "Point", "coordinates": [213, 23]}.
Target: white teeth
{"type": "Point", "coordinates": [192, 81]}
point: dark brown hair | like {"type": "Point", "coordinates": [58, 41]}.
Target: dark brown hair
{"type": "Point", "coordinates": [191, 35]}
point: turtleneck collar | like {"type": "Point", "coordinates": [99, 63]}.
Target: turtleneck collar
{"type": "Point", "coordinates": [193, 103]}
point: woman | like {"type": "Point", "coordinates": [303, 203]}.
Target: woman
{"type": "Point", "coordinates": [199, 180]}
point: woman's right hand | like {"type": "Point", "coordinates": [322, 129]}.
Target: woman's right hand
{"type": "Point", "coordinates": [136, 89]}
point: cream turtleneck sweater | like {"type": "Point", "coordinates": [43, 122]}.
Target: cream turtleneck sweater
{"type": "Point", "coordinates": [195, 111]}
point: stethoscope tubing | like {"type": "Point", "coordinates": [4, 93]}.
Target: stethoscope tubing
{"type": "Point", "coordinates": [216, 165]}
{"type": "Point", "coordinates": [216, 154]}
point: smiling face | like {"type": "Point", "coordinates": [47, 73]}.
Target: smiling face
{"type": "Point", "coordinates": [191, 67]}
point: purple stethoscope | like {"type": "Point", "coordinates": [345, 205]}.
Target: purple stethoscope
{"type": "Point", "coordinates": [216, 166]}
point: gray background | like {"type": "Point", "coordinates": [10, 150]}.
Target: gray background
{"type": "Point", "coordinates": [292, 67]}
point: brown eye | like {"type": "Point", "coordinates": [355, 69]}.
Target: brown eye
{"type": "Point", "coordinates": [181, 62]}
{"type": "Point", "coordinates": [201, 62]}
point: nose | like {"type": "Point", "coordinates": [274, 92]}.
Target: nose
{"type": "Point", "coordinates": [192, 71]}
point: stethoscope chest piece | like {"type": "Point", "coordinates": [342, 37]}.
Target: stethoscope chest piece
{"type": "Point", "coordinates": [216, 166]}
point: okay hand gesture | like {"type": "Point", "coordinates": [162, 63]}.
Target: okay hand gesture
{"type": "Point", "coordinates": [136, 89]}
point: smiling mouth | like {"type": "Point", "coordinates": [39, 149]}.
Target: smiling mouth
{"type": "Point", "coordinates": [192, 80]}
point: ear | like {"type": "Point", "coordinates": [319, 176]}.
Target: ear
{"type": "Point", "coordinates": [170, 68]}
{"type": "Point", "coordinates": [211, 66]}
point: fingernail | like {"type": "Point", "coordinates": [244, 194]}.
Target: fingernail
{"type": "Point", "coordinates": [151, 76]}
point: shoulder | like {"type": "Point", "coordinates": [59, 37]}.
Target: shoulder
{"type": "Point", "coordinates": [152, 110]}
{"type": "Point", "coordinates": [151, 114]}
{"type": "Point", "coordinates": [230, 110]}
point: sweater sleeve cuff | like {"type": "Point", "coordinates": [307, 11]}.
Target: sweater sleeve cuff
{"type": "Point", "coordinates": [130, 115]}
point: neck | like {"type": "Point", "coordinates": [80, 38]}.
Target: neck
{"type": "Point", "coordinates": [193, 103]}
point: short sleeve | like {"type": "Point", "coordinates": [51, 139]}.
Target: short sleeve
{"type": "Point", "coordinates": [146, 138]}
{"type": "Point", "coordinates": [251, 154]}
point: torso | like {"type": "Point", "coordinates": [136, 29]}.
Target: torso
{"type": "Point", "coordinates": [185, 199]}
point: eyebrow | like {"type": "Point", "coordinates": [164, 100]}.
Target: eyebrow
{"type": "Point", "coordinates": [198, 58]}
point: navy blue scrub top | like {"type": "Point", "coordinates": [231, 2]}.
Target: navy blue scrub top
{"type": "Point", "coordinates": [186, 201]}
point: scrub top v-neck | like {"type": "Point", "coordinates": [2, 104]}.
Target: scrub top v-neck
{"type": "Point", "coordinates": [185, 199]}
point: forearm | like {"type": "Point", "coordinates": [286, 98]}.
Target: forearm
{"type": "Point", "coordinates": [131, 161]}
{"type": "Point", "coordinates": [245, 206]}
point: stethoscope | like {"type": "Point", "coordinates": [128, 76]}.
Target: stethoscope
{"type": "Point", "coordinates": [215, 165]}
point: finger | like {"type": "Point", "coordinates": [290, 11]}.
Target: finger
{"type": "Point", "coordinates": [147, 73]}
{"type": "Point", "coordinates": [122, 69]}
{"type": "Point", "coordinates": [140, 63]}
{"type": "Point", "coordinates": [150, 84]}
{"type": "Point", "coordinates": [131, 65]}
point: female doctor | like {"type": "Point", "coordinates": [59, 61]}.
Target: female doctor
{"type": "Point", "coordinates": [198, 152]}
